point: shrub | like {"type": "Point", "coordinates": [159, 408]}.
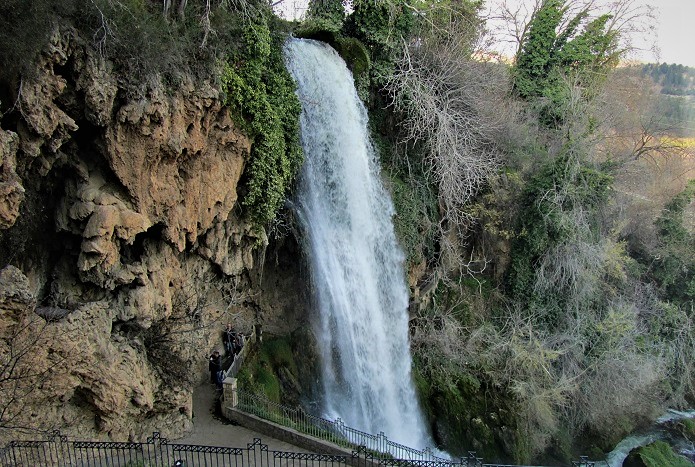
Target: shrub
{"type": "Point", "coordinates": [261, 92]}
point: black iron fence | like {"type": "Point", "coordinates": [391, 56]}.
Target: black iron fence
{"type": "Point", "coordinates": [58, 451]}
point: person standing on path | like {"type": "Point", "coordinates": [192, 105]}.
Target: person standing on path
{"type": "Point", "coordinates": [229, 337]}
{"type": "Point", "coordinates": [215, 366]}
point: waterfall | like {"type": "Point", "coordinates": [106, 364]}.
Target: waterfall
{"type": "Point", "coordinates": [356, 264]}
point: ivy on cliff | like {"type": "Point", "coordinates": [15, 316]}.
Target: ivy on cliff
{"type": "Point", "coordinates": [563, 191]}
{"type": "Point", "coordinates": [327, 15]}
{"type": "Point", "coordinates": [381, 26]}
{"type": "Point", "coordinates": [261, 93]}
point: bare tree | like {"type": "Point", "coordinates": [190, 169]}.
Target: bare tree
{"type": "Point", "coordinates": [458, 108]}
{"type": "Point", "coordinates": [180, 9]}
{"type": "Point", "coordinates": [634, 124]}
{"type": "Point", "coordinates": [205, 24]}
{"type": "Point", "coordinates": [455, 105]}
{"type": "Point", "coordinates": [26, 360]}
{"type": "Point", "coordinates": [508, 22]}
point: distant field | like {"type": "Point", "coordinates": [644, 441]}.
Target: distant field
{"type": "Point", "coordinates": [685, 143]}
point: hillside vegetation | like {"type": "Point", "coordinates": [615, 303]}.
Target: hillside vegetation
{"type": "Point", "coordinates": [545, 207]}
{"type": "Point", "coordinates": [547, 214]}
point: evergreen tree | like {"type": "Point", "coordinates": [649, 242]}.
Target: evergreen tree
{"type": "Point", "coordinates": [533, 63]}
{"type": "Point", "coordinates": [329, 13]}
{"type": "Point", "coordinates": [555, 50]}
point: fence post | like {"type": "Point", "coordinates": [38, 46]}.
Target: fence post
{"type": "Point", "coordinates": [159, 447]}
{"type": "Point", "coordinates": [583, 462]}
{"type": "Point", "coordinates": [231, 398]}
{"type": "Point", "coordinates": [338, 424]}
{"type": "Point", "coordinates": [473, 457]}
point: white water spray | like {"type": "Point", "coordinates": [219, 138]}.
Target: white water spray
{"type": "Point", "coordinates": [356, 264]}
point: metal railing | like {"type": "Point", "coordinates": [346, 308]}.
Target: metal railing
{"type": "Point", "coordinates": [239, 358]}
{"type": "Point", "coordinates": [58, 451]}
{"type": "Point", "coordinates": [335, 431]}
{"type": "Point", "coordinates": [378, 447]}
{"type": "Point", "coordinates": [155, 452]}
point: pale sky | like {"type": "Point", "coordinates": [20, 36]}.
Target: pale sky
{"type": "Point", "coordinates": [676, 31]}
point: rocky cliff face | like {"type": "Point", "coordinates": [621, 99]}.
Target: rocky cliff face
{"type": "Point", "coordinates": [123, 250]}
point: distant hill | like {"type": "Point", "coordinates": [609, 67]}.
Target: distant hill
{"type": "Point", "coordinates": [675, 80]}
{"type": "Point", "coordinates": [674, 86]}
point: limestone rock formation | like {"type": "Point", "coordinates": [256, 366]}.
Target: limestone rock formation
{"type": "Point", "coordinates": [11, 190]}
{"type": "Point", "coordinates": [122, 249]}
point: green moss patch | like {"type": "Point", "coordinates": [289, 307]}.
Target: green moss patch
{"type": "Point", "coordinates": [660, 454]}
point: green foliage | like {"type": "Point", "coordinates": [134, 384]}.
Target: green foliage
{"type": "Point", "coordinates": [660, 454]}
{"type": "Point", "coordinates": [553, 59]}
{"type": "Point", "coordinates": [137, 38]}
{"type": "Point", "coordinates": [24, 31]}
{"type": "Point", "coordinates": [381, 26]}
{"type": "Point", "coordinates": [278, 352]}
{"type": "Point", "coordinates": [143, 44]}
{"type": "Point", "coordinates": [534, 62]}
{"type": "Point", "coordinates": [413, 222]}
{"type": "Point", "coordinates": [562, 186]}
{"type": "Point", "coordinates": [330, 14]}
{"type": "Point", "coordinates": [437, 20]}
{"type": "Point", "coordinates": [414, 195]}
{"type": "Point", "coordinates": [261, 372]}
{"type": "Point", "coordinates": [674, 267]}
{"type": "Point", "coordinates": [268, 382]}
{"type": "Point", "coordinates": [676, 80]}
{"type": "Point", "coordinates": [356, 57]}
{"type": "Point", "coordinates": [465, 411]}
{"type": "Point", "coordinates": [687, 428]}
{"type": "Point", "coordinates": [261, 92]}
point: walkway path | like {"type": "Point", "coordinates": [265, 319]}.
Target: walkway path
{"type": "Point", "coordinates": [210, 429]}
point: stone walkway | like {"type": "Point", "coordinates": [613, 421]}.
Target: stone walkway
{"type": "Point", "coordinates": [210, 429]}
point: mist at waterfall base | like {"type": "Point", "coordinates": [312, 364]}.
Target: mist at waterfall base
{"type": "Point", "coordinates": [356, 265]}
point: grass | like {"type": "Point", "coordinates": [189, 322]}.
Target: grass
{"type": "Point", "coordinates": [660, 454]}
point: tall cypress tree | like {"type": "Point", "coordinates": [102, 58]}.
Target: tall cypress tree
{"type": "Point", "coordinates": [550, 52]}
{"type": "Point", "coordinates": [534, 61]}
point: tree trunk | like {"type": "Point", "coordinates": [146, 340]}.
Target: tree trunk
{"type": "Point", "coordinates": [182, 8]}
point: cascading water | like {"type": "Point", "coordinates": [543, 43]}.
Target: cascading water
{"type": "Point", "coordinates": [356, 264]}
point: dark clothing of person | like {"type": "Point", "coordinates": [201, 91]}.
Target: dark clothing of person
{"type": "Point", "coordinates": [238, 344]}
{"type": "Point", "coordinates": [229, 337]}
{"type": "Point", "coordinates": [215, 366]}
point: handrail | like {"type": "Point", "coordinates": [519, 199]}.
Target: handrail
{"type": "Point", "coordinates": [58, 450]}
{"type": "Point", "coordinates": [334, 431]}
{"type": "Point", "coordinates": [239, 358]}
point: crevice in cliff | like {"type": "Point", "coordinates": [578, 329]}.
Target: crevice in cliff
{"type": "Point", "coordinates": [32, 243]}
{"type": "Point", "coordinates": [70, 100]}
{"type": "Point", "coordinates": [84, 399]}
{"type": "Point", "coordinates": [134, 252]}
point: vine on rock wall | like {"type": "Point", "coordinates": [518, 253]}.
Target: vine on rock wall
{"type": "Point", "coordinates": [260, 90]}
